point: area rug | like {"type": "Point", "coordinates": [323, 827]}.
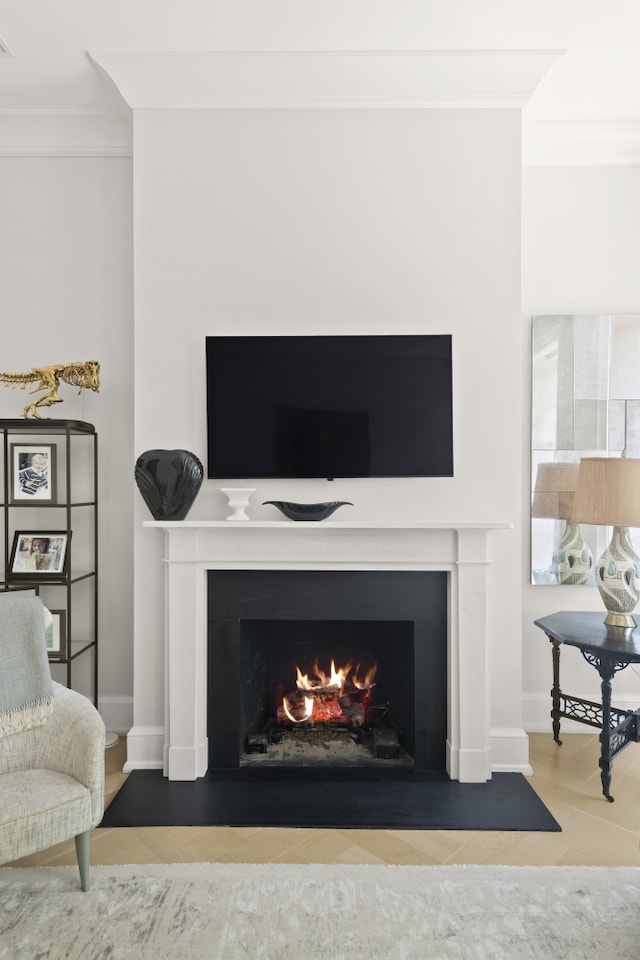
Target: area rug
{"type": "Point", "coordinates": [427, 802]}
{"type": "Point", "coordinates": [278, 911]}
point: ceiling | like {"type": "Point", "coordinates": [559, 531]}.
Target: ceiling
{"type": "Point", "coordinates": [45, 64]}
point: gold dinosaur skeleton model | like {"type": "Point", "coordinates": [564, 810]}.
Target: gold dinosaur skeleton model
{"type": "Point", "coordinates": [85, 376]}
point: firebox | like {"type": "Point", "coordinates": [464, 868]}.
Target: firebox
{"type": "Point", "coordinates": [326, 692]}
{"type": "Point", "coordinates": [330, 668]}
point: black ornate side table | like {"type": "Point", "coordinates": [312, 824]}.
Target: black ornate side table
{"type": "Point", "coordinates": [609, 650]}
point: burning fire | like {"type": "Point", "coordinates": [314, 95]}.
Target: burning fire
{"type": "Point", "coordinates": [307, 712]}
{"type": "Point", "coordinates": [338, 697]}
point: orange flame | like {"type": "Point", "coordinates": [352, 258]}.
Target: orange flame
{"type": "Point", "coordinates": [335, 681]}
{"type": "Point", "coordinates": [367, 682]}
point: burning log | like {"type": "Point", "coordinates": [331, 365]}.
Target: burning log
{"type": "Point", "coordinates": [333, 698]}
{"type": "Point", "coordinates": [293, 708]}
{"type": "Point", "coordinates": [309, 706]}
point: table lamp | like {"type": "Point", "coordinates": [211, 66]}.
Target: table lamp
{"type": "Point", "coordinates": [553, 499]}
{"type": "Point", "coordinates": [608, 493]}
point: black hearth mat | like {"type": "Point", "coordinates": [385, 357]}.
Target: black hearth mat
{"type": "Point", "coordinates": [338, 799]}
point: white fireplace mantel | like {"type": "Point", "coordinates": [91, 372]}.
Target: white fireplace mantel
{"type": "Point", "coordinates": [193, 547]}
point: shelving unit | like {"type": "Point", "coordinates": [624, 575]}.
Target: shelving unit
{"type": "Point", "coordinates": [67, 506]}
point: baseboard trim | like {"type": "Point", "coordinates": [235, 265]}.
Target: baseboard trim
{"type": "Point", "coordinates": [510, 751]}
{"type": "Point", "coordinates": [117, 713]}
{"type": "Point", "coordinates": [145, 745]}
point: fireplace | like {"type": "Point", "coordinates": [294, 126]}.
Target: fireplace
{"type": "Point", "coordinates": [195, 550]}
{"type": "Point", "coordinates": [327, 668]}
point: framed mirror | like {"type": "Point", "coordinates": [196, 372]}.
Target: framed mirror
{"type": "Point", "coordinates": [585, 403]}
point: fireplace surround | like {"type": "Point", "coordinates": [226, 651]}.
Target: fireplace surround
{"type": "Point", "coordinates": [263, 624]}
{"type": "Point", "coordinates": [193, 548]}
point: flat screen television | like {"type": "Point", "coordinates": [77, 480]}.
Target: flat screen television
{"type": "Point", "coordinates": [329, 406]}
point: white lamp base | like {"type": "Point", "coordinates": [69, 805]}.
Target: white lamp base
{"type": "Point", "coordinates": [618, 579]}
{"type": "Point", "coordinates": [573, 560]}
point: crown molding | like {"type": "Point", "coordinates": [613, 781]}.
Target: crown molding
{"type": "Point", "coordinates": [434, 79]}
{"type": "Point", "coordinates": [582, 142]}
{"type": "Point", "coordinates": [64, 133]}
{"type": "Point", "coordinates": [105, 133]}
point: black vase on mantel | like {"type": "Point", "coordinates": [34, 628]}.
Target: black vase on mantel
{"type": "Point", "coordinates": [169, 481]}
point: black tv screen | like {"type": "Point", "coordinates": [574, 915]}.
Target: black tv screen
{"type": "Point", "coordinates": [329, 406]}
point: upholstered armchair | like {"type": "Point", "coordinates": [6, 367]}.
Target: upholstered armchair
{"type": "Point", "coordinates": [51, 747]}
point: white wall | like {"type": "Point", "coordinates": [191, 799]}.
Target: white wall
{"type": "Point", "coordinates": [403, 205]}
{"type": "Point", "coordinates": [334, 221]}
{"type": "Point", "coordinates": [580, 252]}
{"type": "Point", "coordinates": [65, 249]}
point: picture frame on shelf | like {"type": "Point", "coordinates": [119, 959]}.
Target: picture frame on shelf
{"type": "Point", "coordinates": [39, 555]}
{"type": "Point", "coordinates": [55, 632]}
{"type": "Point", "coordinates": [33, 472]}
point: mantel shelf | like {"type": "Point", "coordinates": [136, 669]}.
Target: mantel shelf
{"type": "Point", "coordinates": [332, 524]}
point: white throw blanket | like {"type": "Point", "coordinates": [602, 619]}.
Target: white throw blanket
{"type": "Point", "coordinates": [26, 691]}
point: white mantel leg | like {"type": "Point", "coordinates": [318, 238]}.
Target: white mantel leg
{"type": "Point", "coordinates": [186, 753]}
{"type": "Point", "coordinates": [468, 746]}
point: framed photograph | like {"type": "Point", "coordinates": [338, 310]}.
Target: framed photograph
{"type": "Point", "coordinates": [39, 555]}
{"type": "Point", "coordinates": [33, 472]}
{"type": "Point", "coordinates": [55, 633]}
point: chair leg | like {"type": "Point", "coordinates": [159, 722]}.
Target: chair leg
{"type": "Point", "coordinates": [82, 852]}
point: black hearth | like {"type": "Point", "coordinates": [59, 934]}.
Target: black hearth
{"type": "Point", "coordinates": [268, 627]}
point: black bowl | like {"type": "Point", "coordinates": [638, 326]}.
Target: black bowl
{"type": "Point", "coordinates": [308, 511]}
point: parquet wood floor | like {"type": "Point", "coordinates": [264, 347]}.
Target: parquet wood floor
{"type": "Point", "coordinates": [567, 779]}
